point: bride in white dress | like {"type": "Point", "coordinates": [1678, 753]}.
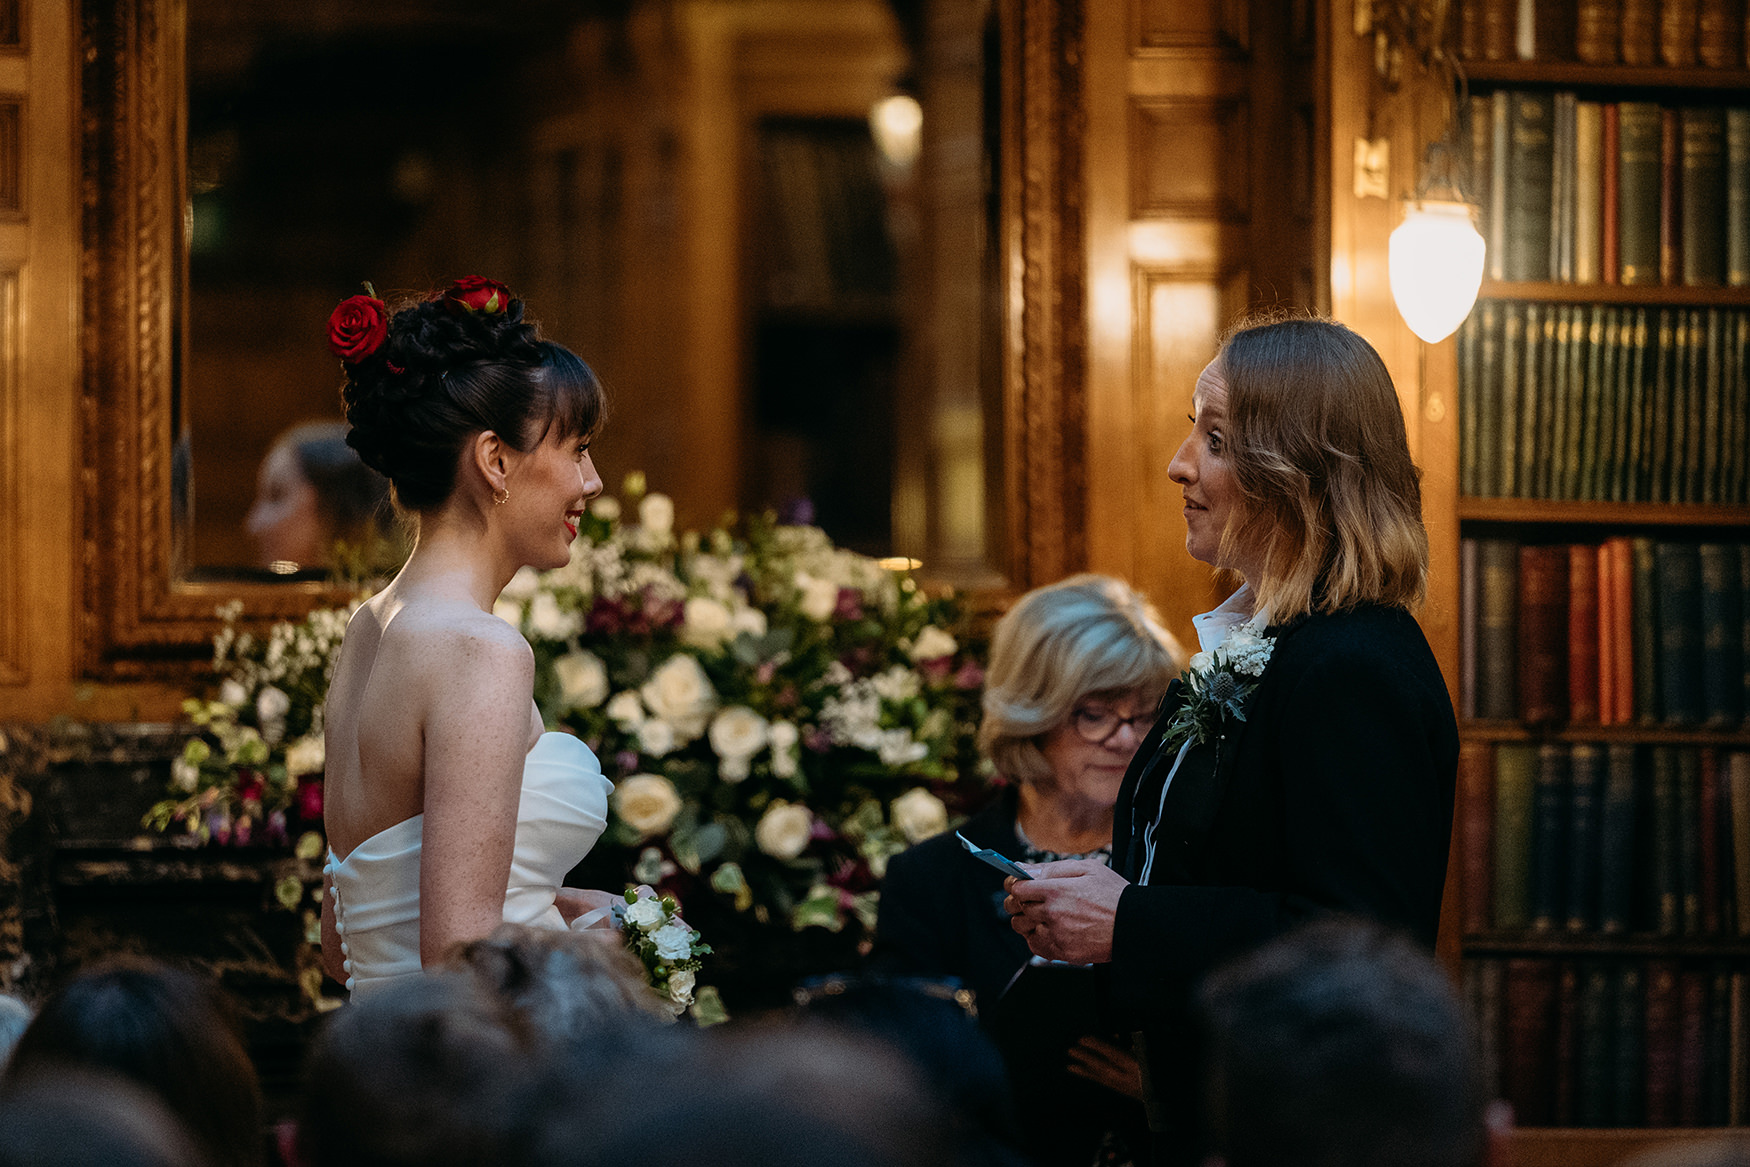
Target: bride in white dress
{"type": "Point", "coordinates": [447, 810]}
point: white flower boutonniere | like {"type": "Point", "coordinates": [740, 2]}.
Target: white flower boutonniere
{"type": "Point", "coordinates": [1219, 683]}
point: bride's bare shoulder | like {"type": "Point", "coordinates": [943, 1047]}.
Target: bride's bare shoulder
{"type": "Point", "coordinates": [449, 631]}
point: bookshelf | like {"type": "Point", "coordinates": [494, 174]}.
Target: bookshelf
{"type": "Point", "coordinates": [1603, 826]}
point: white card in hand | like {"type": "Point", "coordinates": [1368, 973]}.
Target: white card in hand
{"type": "Point", "coordinates": [995, 858]}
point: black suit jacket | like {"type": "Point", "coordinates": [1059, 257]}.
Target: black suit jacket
{"type": "Point", "coordinates": [1334, 794]}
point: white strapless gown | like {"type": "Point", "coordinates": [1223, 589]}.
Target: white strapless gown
{"type": "Point", "coordinates": [563, 811]}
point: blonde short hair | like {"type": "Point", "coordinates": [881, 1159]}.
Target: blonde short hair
{"type": "Point", "coordinates": [1331, 504]}
{"type": "Point", "coordinates": [1058, 644]}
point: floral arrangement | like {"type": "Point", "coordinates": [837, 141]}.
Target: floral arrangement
{"type": "Point", "coordinates": [1220, 681]}
{"type": "Point", "coordinates": [780, 716]}
{"type": "Point", "coordinates": [670, 950]}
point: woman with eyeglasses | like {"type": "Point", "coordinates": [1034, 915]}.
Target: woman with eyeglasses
{"type": "Point", "coordinates": [1077, 670]}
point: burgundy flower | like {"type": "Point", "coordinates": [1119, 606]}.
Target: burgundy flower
{"type": "Point", "coordinates": [969, 677]}
{"type": "Point", "coordinates": [248, 786]}
{"type": "Point", "coordinates": [849, 605]}
{"type": "Point", "coordinates": [935, 671]}
{"type": "Point", "coordinates": [309, 798]}
{"type": "Point", "coordinates": [473, 294]}
{"type": "Point", "coordinates": [357, 328]}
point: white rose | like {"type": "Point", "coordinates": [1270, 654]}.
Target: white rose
{"type": "Point", "coordinates": [673, 941]}
{"type": "Point", "coordinates": [523, 584]}
{"type": "Point", "coordinates": [919, 814]}
{"type": "Point", "coordinates": [232, 692]}
{"type": "Point", "coordinates": [583, 679]}
{"type": "Point", "coordinates": [1200, 663]}
{"type": "Point", "coordinates": [656, 513]}
{"type": "Point", "coordinates": [605, 508]}
{"type": "Point", "coordinates": [547, 619]}
{"type": "Point", "coordinates": [707, 622]}
{"type": "Point", "coordinates": [784, 830]}
{"type": "Point", "coordinates": [749, 620]}
{"type": "Point", "coordinates": [307, 755]}
{"type": "Point", "coordinates": [625, 710]}
{"type": "Point", "coordinates": [656, 737]}
{"type": "Point", "coordinates": [785, 737]}
{"type": "Point", "coordinates": [818, 597]}
{"type": "Point", "coordinates": [272, 704]}
{"type": "Point", "coordinates": [510, 611]}
{"type": "Point", "coordinates": [185, 775]}
{"type": "Point", "coordinates": [733, 770]}
{"type": "Point", "coordinates": [645, 913]}
{"type": "Point", "coordinates": [933, 644]}
{"type": "Point", "coordinates": [680, 987]}
{"type": "Point", "coordinates": [738, 732]}
{"type": "Point", "coordinates": [647, 803]}
{"type": "Point", "coordinates": [680, 693]}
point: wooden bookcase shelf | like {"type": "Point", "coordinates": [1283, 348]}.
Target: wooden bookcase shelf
{"type": "Point", "coordinates": [1587, 1147]}
{"type": "Point", "coordinates": [1651, 295]}
{"type": "Point", "coordinates": [1528, 511]}
{"type": "Point", "coordinates": [1574, 75]}
{"type": "Point", "coordinates": [1513, 731]}
{"type": "Point", "coordinates": [1561, 943]}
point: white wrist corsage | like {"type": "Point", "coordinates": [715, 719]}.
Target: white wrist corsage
{"type": "Point", "coordinates": [670, 950]}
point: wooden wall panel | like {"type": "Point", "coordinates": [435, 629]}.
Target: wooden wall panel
{"type": "Point", "coordinates": [1191, 159]}
{"type": "Point", "coordinates": [1208, 24]}
{"type": "Point", "coordinates": [14, 647]}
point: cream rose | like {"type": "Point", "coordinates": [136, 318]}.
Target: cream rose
{"type": "Point", "coordinates": [933, 644]}
{"type": "Point", "coordinates": [784, 738]}
{"type": "Point", "coordinates": [232, 692]}
{"type": "Point", "coordinates": [817, 598]}
{"type": "Point", "coordinates": [656, 737]}
{"type": "Point", "coordinates": [784, 830]}
{"type": "Point", "coordinates": [583, 679]}
{"type": "Point", "coordinates": [919, 814]}
{"type": "Point", "coordinates": [656, 513]}
{"type": "Point", "coordinates": [547, 619]}
{"type": "Point", "coordinates": [510, 611]}
{"type": "Point", "coordinates": [738, 732]}
{"type": "Point", "coordinates": [185, 775]}
{"type": "Point", "coordinates": [307, 755]}
{"type": "Point", "coordinates": [645, 913]}
{"type": "Point", "coordinates": [606, 508]}
{"type": "Point", "coordinates": [680, 693]}
{"type": "Point", "coordinates": [647, 803]}
{"type": "Point", "coordinates": [523, 584]}
{"type": "Point", "coordinates": [626, 710]}
{"type": "Point", "coordinates": [673, 941]}
{"type": "Point", "coordinates": [272, 704]}
{"type": "Point", "coordinates": [749, 620]}
{"type": "Point", "coordinates": [680, 987]}
{"type": "Point", "coordinates": [707, 622]}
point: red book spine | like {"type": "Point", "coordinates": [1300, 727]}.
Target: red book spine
{"type": "Point", "coordinates": [1670, 208]}
{"type": "Point", "coordinates": [1606, 632]}
{"type": "Point", "coordinates": [1582, 633]}
{"type": "Point", "coordinates": [1567, 1043]}
{"type": "Point", "coordinates": [1528, 1049]}
{"type": "Point", "coordinates": [1611, 261]}
{"type": "Point", "coordinates": [1622, 576]}
{"type": "Point", "coordinates": [1691, 1045]}
{"type": "Point", "coordinates": [1708, 881]}
{"type": "Point", "coordinates": [1476, 816]}
{"type": "Point", "coordinates": [1664, 1040]}
{"type": "Point", "coordinates": [1543, 633]}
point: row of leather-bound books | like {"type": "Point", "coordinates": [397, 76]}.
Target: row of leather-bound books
{"type": "Point", "coordinates": [1592, 192]}
{"type": "Point", "coordinates": [1604, 402]}
{"type": "Point", "coordinates": [1629, 631]}
{"type": "Point", "coordinates": [1614, 839]}
{"type": "Point", "coordinates": [1676, 33]}
{"type": "Point", "coordinates": [1594, 1042]}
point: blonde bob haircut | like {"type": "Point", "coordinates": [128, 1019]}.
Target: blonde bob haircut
{"type": "Point", "coordinates": [1060, 643]}
{"type": "Point", "coordinates": [1331, 503]}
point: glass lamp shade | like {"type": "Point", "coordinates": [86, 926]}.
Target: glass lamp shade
{"type": "Point", "coordinates": [897, 123]}
{"type": "Point", "coordinates": [1436, 263]}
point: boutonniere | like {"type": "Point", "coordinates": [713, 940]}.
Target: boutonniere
{"type": "Point", "coordinates": [1219, 683]}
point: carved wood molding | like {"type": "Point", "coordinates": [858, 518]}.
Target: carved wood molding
{"type": "Point", "coordinates": [14, 650]}
{"type": "Point", "coordinates": [1046, 374]}
{"type": "Point", "coordinates": [136, 619]}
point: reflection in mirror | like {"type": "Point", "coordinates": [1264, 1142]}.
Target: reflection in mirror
{"type": "Point", "coordinates": [722, 205]}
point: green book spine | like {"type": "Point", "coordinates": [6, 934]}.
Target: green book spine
{"type": "Point", "coordinates": [1592, 1084]}
{"type": "Point", "coordinates": [1585, 823]}
{"type": "Point", "coordinates": [1515, 785]}
{"type": "Point", "coordinates": [1694, 390]}
{"type": "Point", "coordinates": [1497, 630]}
{"type": "Point", "coordinates": [1529, 184]}
{"type": "Point", "coordinates": [1712, 404]}
{"type": "Point", "coordinates": [1738, 197]}
{"type": "Point", "coordinates": [1722, 635]}
{"type": "Point", "coordinates": [1646, 633]}
{"type": "Point", "coordinates": [1689, 839]}
{"type": "Point", "coordinates": [1562, 189]}
{"type": "Point", "coordinates": [1613, 407]}
{"type": "Point", "coordinates": [1665, 912]}
{"type": "Point", "coordinates": [1637, 192]}
{"type": "Point", "coordinates": [1512, 362]}
{"type": "Point", "coordinates": [1704, 195]}
{"type": "Point", "coordinates": [1579, 402]}
{"type": "Point", "coordinates": [1469, 412]}
{"type": "Point", "coordinates": [1594, 440]}
{"type": "Point", "coordinates": [1631, 383]}
{"type": "Point", "coordinates": [1488, 400]}
{"type": "Point", "coordinates": [1628, 1099]}
{"type": "Point", "coordinates": [1616, 840]}
{"type": "Point", "coordinates": [1531, 386]}
{"type": "Point", "coordinates": [1501, 136]}
{"type": "Point", "coordinates": [1479, 137]}
{"type": "Point", "coordinates": [1679, 623]}
{"type": "Point", "coordinates": [1737, 380]}
{"type": "Point", "coordinates": [1656, 463]}
{"type": "Point", "coordinates": [1551, 467]}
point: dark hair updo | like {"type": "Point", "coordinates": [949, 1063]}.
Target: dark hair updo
{"type": "Point", "coordinates": [444, 374]}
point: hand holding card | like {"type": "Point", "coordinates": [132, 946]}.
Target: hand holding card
{"type": "Point", "coordinates": [995, 858]}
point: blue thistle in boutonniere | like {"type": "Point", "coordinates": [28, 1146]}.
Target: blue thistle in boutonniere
{"type": "Point", "coordinates": [1219, 683]}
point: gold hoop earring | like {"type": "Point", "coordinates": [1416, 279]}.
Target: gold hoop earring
{"type": "Point", "coordinates": [499, 500]}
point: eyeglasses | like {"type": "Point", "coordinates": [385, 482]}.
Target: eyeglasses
{"type": "Point", "coordinates": [1097, 726]}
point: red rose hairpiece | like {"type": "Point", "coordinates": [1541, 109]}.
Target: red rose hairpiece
{"type": "Point", "coordinates": [477, 294]}
{"type": "Point", "coordinates": [358, 327]}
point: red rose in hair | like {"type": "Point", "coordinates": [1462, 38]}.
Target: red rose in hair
{"type": "Point", "coordinates": [357, 328]}
{"type": "Point", "coordinates": [478, 294]}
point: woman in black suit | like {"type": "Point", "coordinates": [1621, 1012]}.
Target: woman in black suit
{"type": "Point", "coordinates": [1077, 670]}
{"type": "Point", "coordinates": [1307, 762]}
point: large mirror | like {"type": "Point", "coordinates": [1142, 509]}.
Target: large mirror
{"type": "Point", "coordinates": [814, 250]}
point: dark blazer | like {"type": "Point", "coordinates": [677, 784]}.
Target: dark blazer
{"type": "Point", "coordinates": [1334, 794]}
{"type": "Point", "coordinates": [941, 915]}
